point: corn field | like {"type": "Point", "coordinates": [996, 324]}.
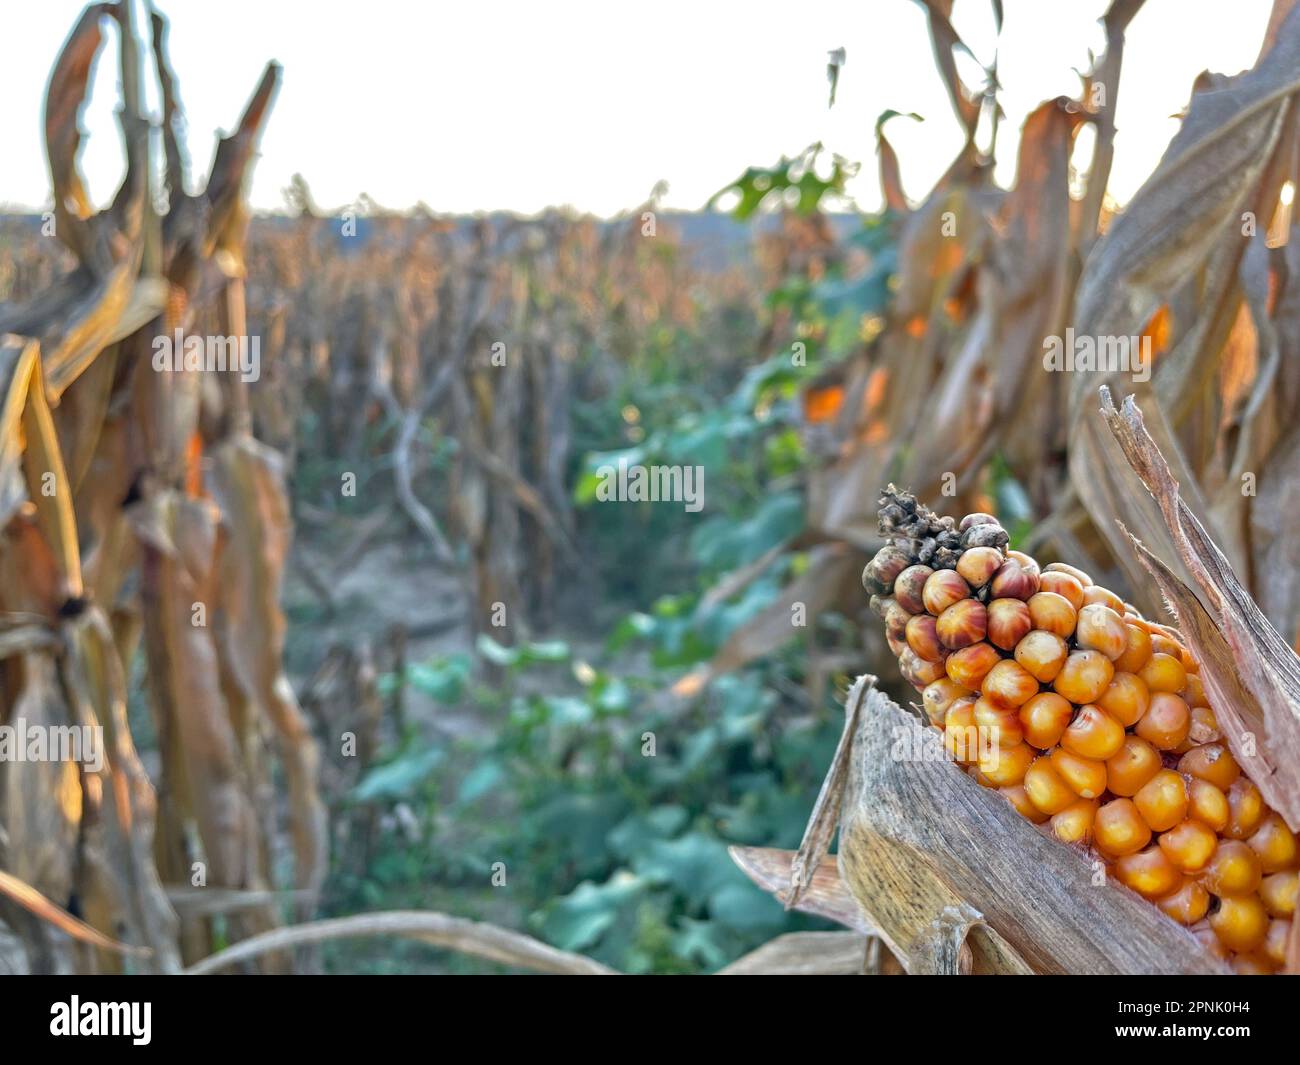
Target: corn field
{"type": "Point", "coordinates": [321, 651]}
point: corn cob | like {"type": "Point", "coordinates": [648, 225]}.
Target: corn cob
{"type": "Point", "coordinates": [1091, 720]}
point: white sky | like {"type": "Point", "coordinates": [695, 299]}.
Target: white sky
{"type": "Point", "coordinates": [521, 105]}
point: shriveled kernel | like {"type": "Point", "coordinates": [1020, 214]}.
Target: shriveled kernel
{"type": "Point", "coordinates": [1164, 673]}
{"type": "Point", "coordinates": [1044, 719]}
{"type": "Point", "coordinates": [1278, 892]}
{"type": "Point", "coordinates": [962, 624]}
{"type": "Point", "coordinates": [942, 589]}
{"type": "Point", "coordinates": [1234, 869]}
{"type": "Point", "coordinates": [1119, 829]}
{"type": "Point", "coordinates": [1064, 585]}
{"type": "Point", "coordinates": [1084, 677]}
{"type": "Point", "coordinates": [1137, 649]}
{"type": "Point", "coordinates": [1162, 800]}
{"type": "Point", "coordinates": [1205, 726]}
{"type": "Point", "coordinates": [1133, 766]}
{"type": "Point", "coordinates": [1100, 628]}
{"type": "Point", "coordinates": [1085, 776]}
{"type": "Point", "coordinates": [1093, 734]}
{"type": "Point", "coordinates": [1246, 809]}
{"type": "Point", "coordinates": [1074, 824]}
{"type": "Point", "coordinates": [1166, 722]}
{"type": "Point", "coordinates": [1009, 683]}
{"type": "Point", "coordinates": [917, 671]}
{"type": "Point", "coordinates": [1008, 622]}
{"type": "Point", "coordinates": [1052, 613]}
{"type": "Point", "coordinates": [1207, 804]}
{"type": "Point", "coordinates": [1188, 903]}
{"type": "Point", "coordinates": [1189, 845]}
{"type": "Point", "coordinates": [1126, 699]}
{"type": "Point", "coordinates": [1275, 844]}
{"type": "Point", "coordinates": [1195, 692]}
{"type": "Point", "coordinates": [1046, 788]}
{"type": "Point", "coordinates": [969, 666]}
{"type": "Point", "coordinates": [1149, 872]}
{"type": "Point", "coordinates": [1240, 922]}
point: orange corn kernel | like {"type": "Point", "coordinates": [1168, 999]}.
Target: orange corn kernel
{"type": "Point", "coordinates": [962, 624]}
{"type": "Point", "coordinates": [1003, 766]}
{"type": "Point", "coordinates": [1188, 903]}
{"type": "Point", "coordinates": [1042, 654]}
{"type": "Point", "coordinates": [1013, 581]}
{"type": "Point", "coordinates": [1189, 845]}
{"type": "Point", "coordinates": [1137, 649]}
{"type": "Point", "coordinates": [1119, 829]}
{"type": "Point", "coordinates": [923, 638]}
{"type": "Point", "coordinates": [1008, 622]}
{"type": "Point", "coordinates": [1093, 734]}
{"type": "Point", "coordinates": [1074, 823]}
{"type": "Point", "coordinates": [1074, 571]}
{"type": "Point", "coordinates": [1053, 613]}
{"type": "Point", "coordinates": [939, 696]}
{"type": "Point", "coordinates": [1096, 595]}
{"type": "Point", "coordinates": [1009, 683]}
{"type": "Point", "coordinates": [1019, 798]}
{"type": "Point", "coordinates": [1166, 723]}
{"type": "Point", "coordinates": [1084, 677]}
{"type": "Point", "coordinates": [1278, 892]}
{"type": "Point", "coordinates": [1240, 922]}
{"type": "Point", "coordinates": [1150, 873]}
{"type": "Point", "coordinates": [1132, 766]}
{"type": "Point", "coordinates": [943, 588]}
{"type": "Point", "coordinates": [1162, 800]}
{"type": "Point", "coordinates": [1275, 844]}
{"type": "Point", "coordinates": [960, 733]}
{"type": "Point", "coordinates": [1045, 718]}
{"type": "Point", "coordinates": [1001, 724]}
{"type": "Point", "coordinates": [1207, 804]}
{"type": "Point", "coordinates": [1046, 788]}
{"type": "Point", "coordinates": [1164, 673]}
{"type": "Point", "coordinates": [1086, 777]}
{"type": "Point", "coordinates": [1234, 869]}
{"type": "Point", "coordinates": [1100, 628]}
{"type": "Point", "coordinates": [1246, 809]}
{"type": "Point", "coordinates": [1064, 585]}
{"type": "Point", "coordinates": [1126, 699]}
{"type": "Point", "coordinates": [977, 565]}
{"type": "Point", "coordinates": [970, 665]}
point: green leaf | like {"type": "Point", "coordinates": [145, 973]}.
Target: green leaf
{"type": "Point", "coordinates": [399, 778]}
